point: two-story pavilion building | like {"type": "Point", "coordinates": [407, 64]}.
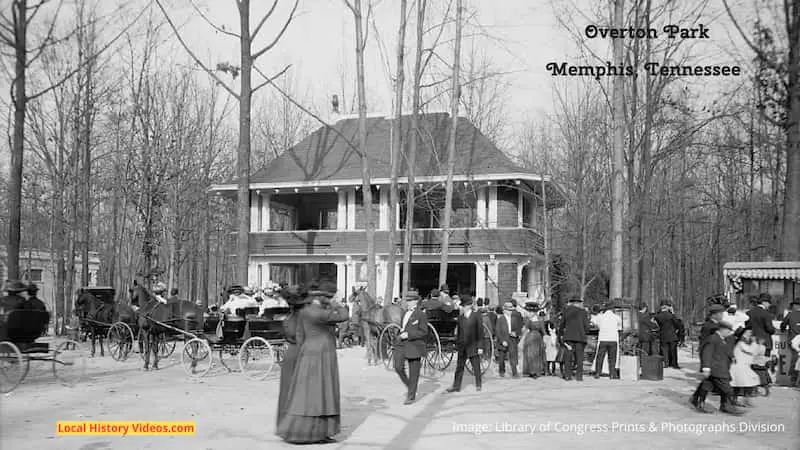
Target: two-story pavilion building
{"type": "Point", "coordinates": [307, 214]}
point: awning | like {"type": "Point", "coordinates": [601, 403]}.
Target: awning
{"type": "Point", "coordinates": [765, 274]}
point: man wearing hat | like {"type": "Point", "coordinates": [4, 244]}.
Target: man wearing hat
{"type": "Point", "coordinates": [736, 318]}
{"type": "Point", "coordinates": [508, 330]}
{"type": "Point", "coordinates": [469, 336]}
{"type": "Point", "coordinates": [13, 299]}
{"type": "Point", "coordinates": [414, 330]}
{"type": "Point", "coordinates": [761, 321]}
{"type": "Point", "coordinates": [572, 329]}
{"type": "Point", "coordinates": [668, 334]}
{"type": "Point", "coordinates": [648, 331]}
{"type": "Point", "coordinates": [238, 300]}
{"type": "Point", "coordinates": [716, 368]}
{"type": "Point", "coordinates": [791, 323]}
{"type": "Point", "coordinates": [33, 302]}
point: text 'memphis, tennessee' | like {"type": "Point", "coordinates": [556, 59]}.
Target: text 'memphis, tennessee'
{"type": "Point", "coordinates": [651, 68]}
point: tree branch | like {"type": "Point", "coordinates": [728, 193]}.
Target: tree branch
{"type": "Point", "coordinates": [271, 79]}
{"type": "Point", "coordinates": [212, 24]}
{"type": "Point", "coordinates": [263, 20]}
{"type": "Point", "coordinates": [278, 37]}
{"type": "Point", "coordinates": [90, 59]}
{"type": "Point", "coordinates": [761, 54]}
{"type": "Point", "coordinates": [191, 53]}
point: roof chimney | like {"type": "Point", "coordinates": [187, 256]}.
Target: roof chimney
{"type": "Point", "coordinates": [335, 103]}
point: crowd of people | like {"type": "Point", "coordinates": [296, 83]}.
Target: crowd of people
{"type": "Point", "coordinates": [21, 296]}
{"type": "Point", "coordinates": [735, 352]}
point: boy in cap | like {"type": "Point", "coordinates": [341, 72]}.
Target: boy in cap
{"type": "Point", "coordinates": [716, 368]}
{"type": "Point", "coordinates": [468, 340]}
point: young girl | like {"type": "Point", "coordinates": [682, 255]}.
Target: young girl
{"type": "Point", "coordinates": [551, 348]}
{"type": "Point", "coordinates": [761, 365]}
{"type": "Point", "coordinates": [743, 379]}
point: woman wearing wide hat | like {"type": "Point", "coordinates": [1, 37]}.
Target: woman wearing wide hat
{"type": "Point", "coordinates": [313, 403]}
{"type": "Point", "coordinates": [297, 298]}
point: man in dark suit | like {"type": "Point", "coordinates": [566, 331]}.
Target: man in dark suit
{"type": "Point", "coordinates": [761, 321]}
{"type": "Point", "coordinates": [33, 302]}
{"type": "Point", "coordinates": [572, 329]}
{"type": "Point", "coordinates": [716, 368]}
{"type": "Point", "coordinates": [508, 329]}
{"type": "Point", "coordinates": [414, 329]}
{"type": "Point", "coordinates": [469, 337]}
{"type": "Point", "coordinates": [648, 329]}
{"type": "Point", "coordinates": [791, 324]}
{"type": "Point", "coordinates": [668, 335]}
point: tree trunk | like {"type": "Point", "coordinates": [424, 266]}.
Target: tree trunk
{"type": "Point", "coordinates": [243, 152]}
{"type": "Point", "coordinates": [790, 234]}
{"type": "Point", "coordinates": [397, 148]}
{"type": "Point", "coordinates": [408, 246]}
{"type": "Point", "coordinates": [451, 153]}
{"type": "Point", "coordinates": [86, 212]}
{"type": "Point", "coordinates": [20, 8]}
{"type": "Point", "coordinates": [366, 183]}
{"type": "Point", "coordinates": [618, 196]}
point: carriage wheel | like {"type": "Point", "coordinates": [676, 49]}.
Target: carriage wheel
{"type": "Point", "coordinates": [69, 363]}
{"type": "Point", "coordinates": [13, 367]}
{"type": "Point", "coordinates": [433, 354]}
{"type": "Point", "coordinates": [196, 358]}
{"type": "Point", "coordinates": [165, 348]}
{"type": "Point", "coordinates": [390, 336]}
{"type": "Point", "coordinates": [257, 358]}
{"type": "Point", "coordinates": [120, 341]}
{"type": "Point", "coordinates": [488, 351]}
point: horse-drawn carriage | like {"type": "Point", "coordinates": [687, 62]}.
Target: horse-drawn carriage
{"type": "Point", "coordinates": [100, 316]}
{"type": "Point", "coordinates": [257, 340]}
{"type": "Point", "coordinates": [19, 345]}
{"type": "Point", "coordinates": [440, 342]}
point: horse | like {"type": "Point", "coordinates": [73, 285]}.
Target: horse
{"type": "Point", "coordinates": [96, 317]}
{"type": "Point", "coordinates": [150, 332]}
{"type": "Point", "coordinates": [372, 318]}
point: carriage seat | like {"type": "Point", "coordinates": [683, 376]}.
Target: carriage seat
{"type": "Point", "coordinates": [244, 312]}
{"type": "Point", "coordinates": [439, 315]}
{"type": "Point", "coordinates": [233, 327]}
{"type": "Point", "coordinates": [23, 326]}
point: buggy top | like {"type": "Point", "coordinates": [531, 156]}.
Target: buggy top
{"type": "Point", "coordinates": [104, 293]}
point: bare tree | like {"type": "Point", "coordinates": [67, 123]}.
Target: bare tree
{"type": "Point", "coordinates": [451, 153]}
{"type": "Point", "coordinates": [397, 148]}
{"type": "Point", "coordinates": [247, 60]}
{"type": "Point", "coordinates": [619, 160]}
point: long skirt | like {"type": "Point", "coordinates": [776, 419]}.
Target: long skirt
{"type": "Point", "coordinates": [533, 354]}
{"type": "Point", "coordinates": [287, 372]}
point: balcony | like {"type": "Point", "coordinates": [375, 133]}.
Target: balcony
{"type": "Point", "coordinates": [463, 241]}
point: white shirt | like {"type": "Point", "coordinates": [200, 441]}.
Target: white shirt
{"type": "Point", "coordinates": [507, 315]}
{"type": "Point", "coordinates": [160, 299]}
{"type": "Point", "coordinates": [406, 318]}
{"type": "Point", "coordinates": [609, 325]}
{"type": "Point", "coordinates": [467, 313]}
{"type": "Point", "coordinates": [737, 320]}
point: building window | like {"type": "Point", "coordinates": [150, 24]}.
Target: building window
{"type": "Point", "coordinates": [33, 275]}
{"type": "Point", "coordinates": [327, 219]}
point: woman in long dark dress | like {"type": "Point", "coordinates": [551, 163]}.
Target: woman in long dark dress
{"type": "Point", "coordinates": [313, 401]}
{"type": "Point", "coordinates": [297, 299]}
{"type": "Point", "coordinates": [533, 355]}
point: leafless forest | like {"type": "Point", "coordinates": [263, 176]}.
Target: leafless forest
{"type": "Point", "coordinates": [117, 126]}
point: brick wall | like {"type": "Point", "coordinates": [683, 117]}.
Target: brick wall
{"type": "Point", "coordinates": [507, 199]}
{"type": "Point", "coordinates": [506, 281]}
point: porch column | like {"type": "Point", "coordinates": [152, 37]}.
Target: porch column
{"type": "Point", "coordinates": [254, 211]}
{"type": "Point", "coordinates": [492, 207]}
{"type": "Point", "coordinates": [491, 284]}
{"type": "Point", "coordinates": [265, 212]}
{"type": "Point", "coordinates": [520, 268]}
{"type": "Point", "coordinates": [396, 287]}
{"type": "Point", "coordinates": [383, 218]}
{"type": "Point", "coordinates": [481, 208]}
{"type": "Point", "coordinates": [351, 209]}
{"type": "Point", "coordinates": [480, 280]}
{"type": "Point", "coordinates": [532, 219]}
{"type": "Point", "coordinates": [252, 273]}
{"type": "Point", "coordinates": [380, 278]}
{"type": "Point", "coordinates": [341, 281]}
{"type": "Point", "coordinates": [341, 211]}
{"type": "Point", "coordinates": [351, 275]}
{"type": "Point", "coordinates": [520, 201]}
{"type": "Point", "coordinates": [260, 276]}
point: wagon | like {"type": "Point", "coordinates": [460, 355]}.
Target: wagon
{"type": "Point", "coordinates": [440, 344]}
{"type": "Point", "coordinates": [19, 332]}
{"type": "Point", "coordinates": [256, 341]}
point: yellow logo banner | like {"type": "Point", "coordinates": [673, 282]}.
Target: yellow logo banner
{"type": "Point", "coordinates": [133, 428]}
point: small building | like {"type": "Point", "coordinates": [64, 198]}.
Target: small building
{"type": "Point", "coordinates": [307, 212]}
{"type": "Point", "coordinates": [780, 279]}
{"type": "Point", "coordinates": [36, 266]}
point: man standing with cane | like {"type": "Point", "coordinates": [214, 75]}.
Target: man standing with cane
{"type": "Point", "coordinates": [468, 340]}
{"type": "Point", "coordinates": [411, 348]}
